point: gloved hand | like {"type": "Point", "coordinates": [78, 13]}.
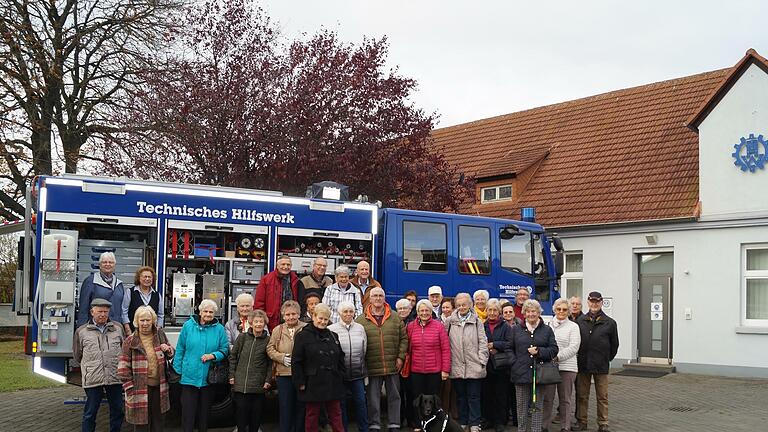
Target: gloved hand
{"type": "Point", "coordinates": [287, 360]}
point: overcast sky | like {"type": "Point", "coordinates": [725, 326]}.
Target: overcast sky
{"type": "Point", "coordinates": [477, 59]}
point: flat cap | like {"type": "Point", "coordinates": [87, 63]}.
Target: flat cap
{"type": "Point", "coordinates": [100, 302]}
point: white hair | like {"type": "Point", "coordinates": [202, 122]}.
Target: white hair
{"type": "Point", "coordinates": [107, 256]}
{"type": "Point", "coordinates": [341, 269]}
{"type": "Point", "coordinates": [344, 306]}
{"type": "Point", "coordinates": [208, 303]}
{"type": "Point", "coordinates": [561, 301]}
{"type": "Point", "coordinates": [463, 295]}
{"type": "Point", "coordinates": [402, 303]}
{"type": "Point", "coordinates": [481, 293]}
{"type": "Point", "coordinates": [532, 304]}
{"type": "Point", "coordinates": [493, 303]}
{"type": "Point", "coordinates": [244, 298]}
{"type": "Point", "coordinates": [424, 302]}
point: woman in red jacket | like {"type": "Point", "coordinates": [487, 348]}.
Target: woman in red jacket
{"type": "Point", "coordinates": [430, 352]}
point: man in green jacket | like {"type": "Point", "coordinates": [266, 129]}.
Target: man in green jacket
{"type": "Point", "coordinates": [387, 345]}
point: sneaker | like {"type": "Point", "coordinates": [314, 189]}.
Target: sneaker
{"type": "Point", "coordinates": [580, 427]}
{"type": "Point", "coordinates": [393, 427]}
{"type": "Point", "coordinates": [475, 429]}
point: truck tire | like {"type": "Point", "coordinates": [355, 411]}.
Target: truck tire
{"type": "Point", "coordinates": [222, 411]}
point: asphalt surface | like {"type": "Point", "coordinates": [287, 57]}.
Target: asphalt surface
{"type": "Point", "coordinates": [676, 402]}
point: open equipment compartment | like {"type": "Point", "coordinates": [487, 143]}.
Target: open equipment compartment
{"type": "Point", "coordinates": [216, 261]}
{"type": "Point", "coordinates": [338, 247]}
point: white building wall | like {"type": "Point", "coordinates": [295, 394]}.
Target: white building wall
{"type": "Point", "coordinates": [725, 190]}
{"type": "Point", "coordinates": [707, 279]}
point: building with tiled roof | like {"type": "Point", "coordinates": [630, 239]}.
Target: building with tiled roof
{"type": "Point", "coordinates": [660, 194]}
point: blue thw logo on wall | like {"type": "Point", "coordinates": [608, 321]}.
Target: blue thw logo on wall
{"type": "Point", "coordinates": [751, 153]}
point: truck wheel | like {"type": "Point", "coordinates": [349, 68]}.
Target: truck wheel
{"type": "Point", "coordinates": [222, 412]}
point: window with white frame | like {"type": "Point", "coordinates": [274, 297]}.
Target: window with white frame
{"type": "Point", "coordinates": [755, 285]}
{"type": "Point", "coordinates": [496, 193]}
{"type": "Point", "coordinates": [573, 277]}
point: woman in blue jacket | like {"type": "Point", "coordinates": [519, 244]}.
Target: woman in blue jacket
{"type": "Point", "coordinates": [532, 342]}
{"type": "Point", "coordinates": [202, 341]}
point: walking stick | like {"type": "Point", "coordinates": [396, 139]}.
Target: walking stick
{"type": "Point", "coordinates": [532, 404]}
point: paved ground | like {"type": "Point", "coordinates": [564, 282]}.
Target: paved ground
{"type": "Point", "coordinates": [673, 403]}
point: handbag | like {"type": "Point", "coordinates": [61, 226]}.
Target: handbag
{"type": "Point", "coordinates": [405, 371]}
{"type": "Point", "coordinates": [171, 376]}
{"type": "Point", "coordinates": [218, 372]}
{"type": "Point", "coordinates": [547, 373]}
{"type": "Point", "coordinates": [502, 360]}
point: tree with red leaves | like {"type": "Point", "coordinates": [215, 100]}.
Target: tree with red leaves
{"type": "Point", "coordinates": [243, 107]}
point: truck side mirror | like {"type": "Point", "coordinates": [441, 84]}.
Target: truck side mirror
{"type": "Point", "coordinates": [559, 258]}
{"type": "Point", "coordinates": [509, 232]}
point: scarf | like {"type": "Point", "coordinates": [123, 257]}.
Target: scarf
{"type": "Point", "coordinates": [492, 325]}
{"type": "Point", "coordinates": [481, 314]}
{"type": "Point", "coordinates": [555, 323]}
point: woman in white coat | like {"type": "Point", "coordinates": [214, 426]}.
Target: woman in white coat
{"type": "Point", "coordinates": [568, 340]}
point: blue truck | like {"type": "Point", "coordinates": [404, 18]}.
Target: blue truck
{"type": "Point", "coordinates": [217, 242]}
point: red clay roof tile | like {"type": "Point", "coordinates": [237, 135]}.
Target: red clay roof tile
{"type": "Point", "coordinates": [623, 156]}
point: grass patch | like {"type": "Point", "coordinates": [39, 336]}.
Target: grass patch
{"type": "Point", "coordinates": [16, 369]}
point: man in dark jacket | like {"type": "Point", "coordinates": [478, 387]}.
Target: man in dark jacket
{"type": "Point", "coordinates": [599, 344]}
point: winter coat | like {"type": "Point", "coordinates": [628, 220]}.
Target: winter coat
{"type": "Point", "coordinates": [98, 353]}
{"type": "Point", "coordinates": [543, 338]}
{"type": "Point", "coordinates": [195, 340]}
{"type": "Point", "coordinates": [234, 328]}
{"type": "Point", "coordinates": [281, 344]}
{"type": "Point", "coordinates": [568, 337]}
{"type": "Point", "coordinates": [249, 363]}
{"type": "Point", "coordinates": [386, 342]}
{"type": "Point", "coordinates": [318, 365]}
{"type": "Point", "coordinates": [354, 342]}
{"type": "Point", "coordinates": [502, 342]}
{"type": "Point", "coordinates": [94, 287]}
{"type": "Point", "coordinates": [269, 295]}
{"type": "Point", "coordinates": [132, 371]}
{"type": "Point", "coordinates": [469, 346]}
{"type": "Point", "coordinates": [599, 343]}
{"type": "Point", "coordinates": [429, 347]}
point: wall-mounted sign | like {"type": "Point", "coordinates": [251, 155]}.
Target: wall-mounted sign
{"type": "Point", "coordinates": [751, 153]}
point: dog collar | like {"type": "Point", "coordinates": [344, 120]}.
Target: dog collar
{"type": "Point", "coordinates": [426, 422]}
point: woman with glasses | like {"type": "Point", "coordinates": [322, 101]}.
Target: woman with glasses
{"type": "Point", "coordinates": [568, 340]}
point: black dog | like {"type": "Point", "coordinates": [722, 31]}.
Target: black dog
{"type": "Point", "coordinates": [432, 417]}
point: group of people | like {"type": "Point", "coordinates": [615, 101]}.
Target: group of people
{"type": "Point", "coordinates": [329, 348]}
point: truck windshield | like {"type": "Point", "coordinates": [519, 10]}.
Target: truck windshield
{"type": "Point", "coordinates": [516, 254]}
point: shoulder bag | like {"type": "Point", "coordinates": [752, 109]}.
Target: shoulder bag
{"type": "Point", "coordinates": [171, 376]}
{"type": "Point", "coordinates": [547, 373]}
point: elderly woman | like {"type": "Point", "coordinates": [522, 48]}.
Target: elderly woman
{"type": "Point", "coordinates": [403, 307]}
{"type": "Point", "coordinates": [405, 313]}
{"type": "Point", "coordinates": [481, 300]}
{"type": "Point", "coordinates": [469, 355]}
{"type": "Point", "coordinates": [496, 384]}
{"type": "Point", "coordinates": [143, 293]}
{"type": "Point", "coordinates": [341, 291]}
{"type": "Point", "coordinates": [508, 314]}
{"type": "Point", "coordinates": [249, 372]}
{"type": "Point", "coordinates": [239, 324]}
{"type": "Point", "coordinates": [318, 369]}
{"type": "Point", "coordinates": [532, 342]}
{"type": "Point", "coordinates": [142, 371]}
{"type": "Point", "coordinates": [202, 341]}
{"type": "Point", "coordinates": [568, 337]}
{"type": "Point", "coordinates": [354, 343]}
{"type": "Point", "coordinates": [430, 353]}
{"type": "Point", "coordinates": [311, 300]}
{"type": "Point", "coordinates": [279, 350]}
{"type": "Point", "coordinates": [102, 284]}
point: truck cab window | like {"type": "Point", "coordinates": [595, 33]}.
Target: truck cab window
{"type": "Point", "coordinates": [474, 250]}
{"type": "Point", "coordinates": [516, 254]}
{"type": "Point", "coordinates": [425, 246]}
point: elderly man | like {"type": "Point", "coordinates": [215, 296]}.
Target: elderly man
{"type": "Point", "coordinates": [435, 295]}
{"type": "Point", "coordinates": [317, 281]}
{"type": "Point", "coordinates": [340, 292]}
{"type": "Point", "coordinates": [521, 296]}
{"type": "Point", "coordinates": [275, 288]}
{"type": "Point", "coordinates": [387, 345]}
{"type": "Point", "coordinates": [97, 346]}
{"type": "Point", "coordinates": [105, 285]}
{"type": "Point", "coordinates": [599, 345]}
{"type": "Point", "coordinates": [575, 312]}
{"type": "Point", "coordinates": [364, 281]}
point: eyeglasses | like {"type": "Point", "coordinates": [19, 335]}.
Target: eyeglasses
{"type": "Point", "coordinates": [593, 300]}
{"type": "Point", "coordinates": [562, 309]}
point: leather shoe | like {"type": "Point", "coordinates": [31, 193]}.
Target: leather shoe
{"type": "Point", "coordinates": [580, 427]}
